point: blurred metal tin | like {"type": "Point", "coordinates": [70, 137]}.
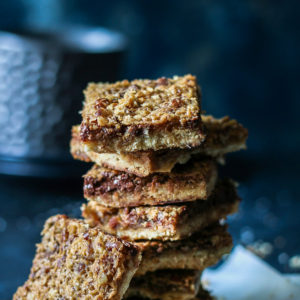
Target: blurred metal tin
{"type": "Point", "coordinates": [42, 75]}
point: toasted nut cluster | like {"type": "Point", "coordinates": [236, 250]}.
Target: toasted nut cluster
{"type": "Point", "coordinates": [146, 102]}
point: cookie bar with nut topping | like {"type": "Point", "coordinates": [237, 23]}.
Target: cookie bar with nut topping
{"type": "Point", "coordinates": [189, 182]}
{"type": "Point", "coordinates": [74, 261]}
{"type": "Point", "coordinates": [142, 115]}
{"type": "Point", "coordinates": [203, 249]}
{"type": "Point", "coordinates": [223, 135]}
{"type": "Point", "coordinates": [167, 222]}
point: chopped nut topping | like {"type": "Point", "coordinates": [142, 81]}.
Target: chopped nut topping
{"type": "Point", "coordinates": [74, 261]}
{"type": "Point", "coordinates": [141, 102]}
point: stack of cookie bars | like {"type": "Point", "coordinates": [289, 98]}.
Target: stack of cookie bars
{"type": "Point", "coordinates": [154, 184]}
{"type": "Point", "coordinates": [155, 181]}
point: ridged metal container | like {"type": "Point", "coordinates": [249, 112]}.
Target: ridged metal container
{"type": "Point", "coordinates": [42, 75]}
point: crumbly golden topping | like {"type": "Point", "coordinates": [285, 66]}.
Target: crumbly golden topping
{"type": "Point", "coordinates": [76, 262]}
{"type": "Point", "coordinates": [142, 102]}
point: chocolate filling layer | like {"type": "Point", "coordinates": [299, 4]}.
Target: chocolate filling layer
{"type": "Point", "coordinates": [110, 181]}
{"type": "Point", "coordinates": [131, 131]}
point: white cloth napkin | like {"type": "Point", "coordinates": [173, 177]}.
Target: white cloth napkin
{"type": "Point", "coordinates": [244, 276]}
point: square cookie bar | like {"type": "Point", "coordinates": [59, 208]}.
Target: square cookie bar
{"type": "Point", "coordinates": [142, 115]}
{"type": "Point", "coordinates": [74, 261]}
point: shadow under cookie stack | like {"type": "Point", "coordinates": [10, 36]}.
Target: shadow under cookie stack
{"type": "Point", "coordinates": [154, 186]}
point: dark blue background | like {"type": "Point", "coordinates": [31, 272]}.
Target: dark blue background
{"type": "Point", "coordinates": [246, 57]}
{"type": "Point", "coordinates": [245, 53]}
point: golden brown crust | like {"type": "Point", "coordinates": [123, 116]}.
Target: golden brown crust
{"type": "Point", "coordinates": [192, 181]}
{"type": "Point", "coordinates": [166, 285]}
{"type": "Point", "coordinates": [224, 135]}
{"type": "Point", "coordinates": [76, 262]}
{"type": "Point", "coordinates": [203, 249]}
{"type": "Point", "coordinates": [168, 222]}
{"type": "Point", "coordinates": [142, 115]}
